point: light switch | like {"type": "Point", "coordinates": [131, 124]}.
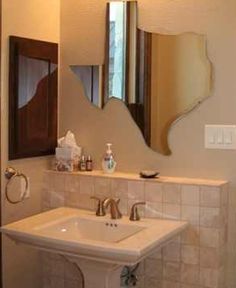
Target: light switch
{"type": "Point", "coordinates": [228, 137]}
{"type": "Point", "coordinates": [220, 136]}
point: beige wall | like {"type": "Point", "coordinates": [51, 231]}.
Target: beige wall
{"type": "Point", "coordinates": [82, 37]}
{"type": "Point", "coordinates": [35, 19]}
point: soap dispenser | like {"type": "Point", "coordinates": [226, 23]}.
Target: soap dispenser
{"type": "Point", "coordinates": [108, 162]}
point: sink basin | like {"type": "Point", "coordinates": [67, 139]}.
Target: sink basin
{"type": "Point", "coordinates": [98, 245]}
{"type": "Point", "coordinates": [91, 229]}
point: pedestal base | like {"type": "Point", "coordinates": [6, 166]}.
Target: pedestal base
{"type": "Point", "coordinates": [97, 274]}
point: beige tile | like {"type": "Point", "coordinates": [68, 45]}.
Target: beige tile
{"type": "Point", "coordinates": [72, 199]}
{"type": "Point", "coordinates": [224, 215]}
{"type": "Point", "coordinates": [72, 272]}
{"type": "Point", "coordinates": [190, 274]}
{"type": "Point", "coordinates": [190, 254]}
{"type": "Point", "coordinates": [58, 182]}
{"type": "Point", "coordinates": [153, 192]}
{"type": "Point", "coordinates": [58, 268]}
{"type": "Point", "coordinates": [171, 193]}
{"type": "Point", "coordinates": [210, 257]}
{"type": "Point", "coordinates": [46, 265]}
{"type": "Point", "coordinates": [152, 283]}
{"type": "Point", "coordinates": [191, 236]}
{"type": "Point", "coordinates": [210, 196]}
{"type": "Point", "coordinates": [225, 195]}
{"type": "Point", "coordinates": [46, 281]}
{"type": "Point", "coordinates": [87, 185]}
{"type": "Point", "coordinates": [102, 187]}
{"type": "Point", "coordinates": [190, 195]}
{"type": "Point", "coordinates": [46, 198]}
{"type": "Point", "coordinates": [171, 271]}
{"type": "Point", "coordinates": [119, 188]}
{"type": "Point", "coordinates": [224, 235]}
{"type": "Point", "coordinates": [190, 286]}
{"type": "Point", "coordinates": [73, 284]}
{"type": "Point", "coordinates": [140, 283]}
{"type": "Point", "coordinates": [85, 202]}
{"type": "Point", "coordinates": [136, 190]}
{"type": "Point", "coordinates": [157, 254]}
{"type": "Point", "coordinates": [57, 282]}
{"type": "Point", "coordinates": [153, 268]}
{"type": "Point", "coordinates": [72, 183]}
{"type": "Point", "coordinates": [154, 210]}
{"type": "Point", "coordinates": [191, 214]}
{"type": "Point", "coordinates": [210, 217]}
{"type": "Point", "coordinates": [210, 237]}
{"type": "Point", "coordinates": [57, 199]}
{"type": "Point", "coordinates": [170, 284]}
{"type": "Point", "coordinates": [171, 252]}
{"type": "Point", "coordinates": [210, 278]}
{"type": "Point", "coordinates": [141, 269]}
{"type": "Point", "coordinates": [123, 206]}
{"type": "Point", "coordinates": [55, 257]}
{"type": "Point", "coordinates": [47, 180]}
{"type": "Point", "coordinates": [176, 239]}
{"type": "Point", "coordinates": [171, 211]}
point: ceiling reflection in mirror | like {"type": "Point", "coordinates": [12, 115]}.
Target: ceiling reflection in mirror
{"type": "Point", "coordinates": [158, 77]}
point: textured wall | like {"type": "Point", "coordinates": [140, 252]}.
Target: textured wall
{"type": "Point", "coordinates": [82, 36]}
{"type": "Point", "coordinates": [35, 19]}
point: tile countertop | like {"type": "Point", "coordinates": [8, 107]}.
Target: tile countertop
{"type": "Point", "coordinates": [135, 176]}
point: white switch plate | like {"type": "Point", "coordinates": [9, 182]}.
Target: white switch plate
{"type": "Point", "coordinates": [220, 137]}
{"type": "Point", "coordinates": [23, 188]}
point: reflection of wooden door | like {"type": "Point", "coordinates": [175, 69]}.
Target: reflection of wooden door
{"type": "Point", "coordinates": [32, 98]}
{"type": "Point", "coordinates": [1, 206]}
{"type": "Point", "coordinates": [143, 83]}
{"type": "Point", "coordinates": [137, 67]}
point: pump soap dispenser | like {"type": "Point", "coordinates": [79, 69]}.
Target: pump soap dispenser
{"type": "Point", "coordinates": [108, 162]}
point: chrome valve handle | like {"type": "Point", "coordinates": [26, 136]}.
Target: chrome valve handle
{"type": "Point", "coordinates": [100, 211]}
{"type": "Point", "coordinates": [134, 215]}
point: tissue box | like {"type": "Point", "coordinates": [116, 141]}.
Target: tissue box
{"type": "Point", "coordinates": [67, 159]}
{"type": "Point", "coordinates": [65, 153]}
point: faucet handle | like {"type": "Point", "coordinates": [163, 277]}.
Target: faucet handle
{"type": "Point", "coordinates": [134, 215]}
{"type": "Point", "coordinates": [100, 207]}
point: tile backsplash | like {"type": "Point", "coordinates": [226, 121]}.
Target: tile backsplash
{"type": "Point", "coordinates": [196, 259]}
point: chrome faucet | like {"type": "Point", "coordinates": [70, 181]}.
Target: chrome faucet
{"type": "Point", "coordinates": [114, 209]}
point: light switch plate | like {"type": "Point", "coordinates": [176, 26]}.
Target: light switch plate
{"type": "Point", "coordinates": [220, 137]}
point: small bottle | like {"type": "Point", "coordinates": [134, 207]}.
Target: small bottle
{"type": "Point", "coordinates": [89, 163]}
{"type": "Point", "coordinates": [108, 162]}
{"type": "Point", "coordinates": [82, 164]}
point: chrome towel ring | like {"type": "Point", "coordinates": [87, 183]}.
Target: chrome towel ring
{"type": "Point", "coordinates": [11, 173]}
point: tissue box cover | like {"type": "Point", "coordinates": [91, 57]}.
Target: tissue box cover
{"type": "Point", "coordinates": [67, 159]}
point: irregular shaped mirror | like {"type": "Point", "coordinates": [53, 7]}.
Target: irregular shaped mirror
{"type": "Point", "coordinates": [159, 77]}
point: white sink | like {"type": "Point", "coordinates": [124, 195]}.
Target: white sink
{"type": "Point", "coordinates": [78, 228]}
{"type": "Point", "coordinates": [88, 240]}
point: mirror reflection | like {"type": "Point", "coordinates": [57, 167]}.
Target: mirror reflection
{"type": "Point", "coordinates": [158, 77]}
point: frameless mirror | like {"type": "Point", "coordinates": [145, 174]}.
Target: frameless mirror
{"type": "Point", "coordinates": [159, 77]}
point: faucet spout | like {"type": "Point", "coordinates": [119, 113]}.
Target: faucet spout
{"type": "Point", "coordinates": [114, 209]}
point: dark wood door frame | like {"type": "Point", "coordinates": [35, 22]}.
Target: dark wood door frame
{"type": "Point", "coordinates": [1, 270]}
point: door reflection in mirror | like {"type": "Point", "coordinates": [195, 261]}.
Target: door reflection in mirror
{"type": "Point", "coordinates": [159, 77]}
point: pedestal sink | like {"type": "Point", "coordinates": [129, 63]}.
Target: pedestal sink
{"type": "Point", "coordinates": [98, 245]}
